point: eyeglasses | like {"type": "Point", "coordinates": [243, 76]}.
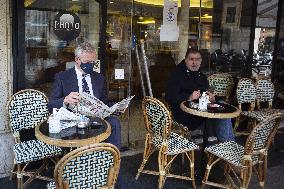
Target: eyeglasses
{"type": "Point", "coordinates": [195, 59]}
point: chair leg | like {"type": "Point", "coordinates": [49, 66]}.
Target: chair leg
{"type": "Point", "coordinates": [162, 161]}
{"type": "Point", "coordinates": [12, 172]}
{"type": "Point", "coordinates": [207, 171]}
{"type": "Point", "coordinates": [19, 177]}
{"type": "Point", "coordinates": [246, 176]}
{"type": "Point", "coordinates": [237, 123]}
{"type": "Point", "coordinates": [191, 163]}
{"type": "Point", "coordinates": [262, 168]}
{"type": "Point", "coordinates": [148, 150]}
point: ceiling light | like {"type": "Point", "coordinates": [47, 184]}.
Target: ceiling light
{"type": "Point", "coordinates": [193, 3]}
{"type": "Point", "coordinates": [111, 2]}
{"type": "Point", "coordinates": [147, 22]}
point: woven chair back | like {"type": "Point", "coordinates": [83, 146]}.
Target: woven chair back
{"type": "Point", "coordinates": [27, 109]}
{"type": "Point", "coordinates": [222, 84]}
{"type": "Point", "coordinates": [262, 135]}
{"type": "Point", "coordinates": [246, 91]}
{"type": "Point", "coordinates": [157, 117]}
{"type": "Point", "coordinates": [264, 91]}
{"type": "Point", "coordinates": [92, 166]}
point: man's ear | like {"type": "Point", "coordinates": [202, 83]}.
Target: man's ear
{"type": "Point", "coordinates": [77, 59]}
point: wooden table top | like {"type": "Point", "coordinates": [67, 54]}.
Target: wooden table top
{"type": "Point", "coordinates": [229, 111]}
{"type": "Point", "coordinates": [73, 136]}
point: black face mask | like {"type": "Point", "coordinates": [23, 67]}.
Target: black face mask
{"type": "Point", "coordinates": [87, 67]}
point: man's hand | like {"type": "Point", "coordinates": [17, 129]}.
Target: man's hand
{"type": "Point", "coordinates": [211, 96]}
{"type": "Point", "coordinates": [73, 98]}
{"type": "Point", "coordinates": [195, 95]}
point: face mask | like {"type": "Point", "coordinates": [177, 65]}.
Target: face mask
{"type": "Point", "coordinates": [87, 67]}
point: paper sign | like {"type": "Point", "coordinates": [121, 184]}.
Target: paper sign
{"type": "Point", "coordinates": [169, 33]}
{"type": "Point", "coordinates": [119, 74]}
{"type": "Point", "coordinates": [170, 12]}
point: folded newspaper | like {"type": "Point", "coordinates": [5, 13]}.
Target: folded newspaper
{"type": "Point", "coordinates": [92, 106]}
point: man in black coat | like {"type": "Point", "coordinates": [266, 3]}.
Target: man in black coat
{"type": "Point", "coordinates": [188, 83]}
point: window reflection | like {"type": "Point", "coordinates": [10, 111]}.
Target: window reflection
{"type": "Point", "coordinates": [46, 54]}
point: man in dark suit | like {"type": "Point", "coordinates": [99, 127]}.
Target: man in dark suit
{"type": "Point", "coordinates": [68, 84]}
{"type": "Point", "coordinates": [188, 83]}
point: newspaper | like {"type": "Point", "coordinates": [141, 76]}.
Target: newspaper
{"type": "Point", "coordinates": [91, 106]}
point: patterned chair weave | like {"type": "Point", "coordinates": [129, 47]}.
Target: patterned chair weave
{"type": "Point", "coordinates": [264, 90]}
{"type": "Point", "coordinates": [176, 144]}
{"type": "Point", "coordinates": [246, 91]}
{"type": "Point", "coordinates": [221, 83]}
{"type": "Point", "coordinates": [262, 114]}
{"type": "Point", "coordinates": [229, 151]}
{"type": "Point", "coordinates": [34, 150]}
{"type": "Point", "coordinates": [88, 170]}
{"type": "Point", "coordinates": [262, 134]}
{"type": "Point", "coordinates": [157, 117]}
{"type": "Point", "coordinates": [51, 185]}
{"type": "Point", "coordinates": [27, 109]}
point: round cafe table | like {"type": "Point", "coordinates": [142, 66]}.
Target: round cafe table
{"type": "Point", "coordinates": [225, 111]}
{"type": "Point", "coordinates": [98, 131]}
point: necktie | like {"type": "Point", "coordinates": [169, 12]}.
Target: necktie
{"type": "Point", "coordinates": [85, 84]}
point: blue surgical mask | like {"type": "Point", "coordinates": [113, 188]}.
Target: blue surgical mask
{"type": "Point", "coordinates": [87, 67]}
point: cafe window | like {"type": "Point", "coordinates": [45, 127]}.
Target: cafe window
{"type": "Point", "coordinates": [48, 50]}
{"type": "Point", "coordinates": [221, 29]}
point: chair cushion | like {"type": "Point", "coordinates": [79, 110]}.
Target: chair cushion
{"type": "Point", "coordinates": [260, 115]}
{"type": "Point", "coordinates": [176, 144]}
{"type": "Point", "coordinates": [51, 185]}
{"type": "Point", "coordinates": [34, 150]}
{"type": "Point", "coordinates": [229, 151]}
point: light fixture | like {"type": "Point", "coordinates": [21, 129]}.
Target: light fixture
{"type": "Point", "coordinates": [193, 3]}
{"type": "Point", "coordinates": [143, 20]}
{"type": "Point", "coordinates": [111, 2]}
{"type": "Point", "coordinates": [147, 22]}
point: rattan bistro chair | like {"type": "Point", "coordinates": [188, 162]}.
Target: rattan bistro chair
{"type": "Point", "coordinates": [27, 109]}
{"type": "Point", "coordinates": [222, 84]}
{"type": "Point", "coordinates": [264, 96]}
{"type": "Point", "coordinates": [160, 137]}
{"type": "Point", "coordinates": [239, 160]}
{"type": "Point", "coordinates": [264, 92]}
{"type": "Point", "coordinates": [88, 167]}
{"type": "Point", "coordinates": [246, 94]}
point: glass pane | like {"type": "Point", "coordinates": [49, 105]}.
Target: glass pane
{"type": "Point", "coordinates": [118, 48]}
{"type": "Point", "coordinates": [228, 39]}
{"type": "Point", "coordinates": [264, 37]}
{"type": "Point", "coordinates": [48, 52]}
{"type": "Point", "coordinates": [279, 65]}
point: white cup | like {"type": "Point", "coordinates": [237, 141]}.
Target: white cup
{"type": "Point", "coordinates": [54, 125]}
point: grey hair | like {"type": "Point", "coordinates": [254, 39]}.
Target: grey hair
{"type": "Point", "coordinates": [84, 47]}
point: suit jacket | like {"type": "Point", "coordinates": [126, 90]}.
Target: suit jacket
{"type": "Point", "coordinates": [66, 82]}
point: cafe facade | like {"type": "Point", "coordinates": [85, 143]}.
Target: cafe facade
{"type": "Point", "coordinates": [242, 37]}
